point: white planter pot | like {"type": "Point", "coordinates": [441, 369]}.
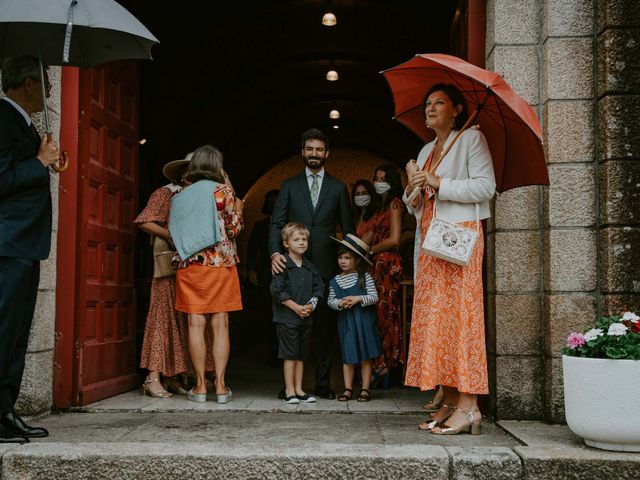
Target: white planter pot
{"type": "Point", "coordinates": [602, 401]}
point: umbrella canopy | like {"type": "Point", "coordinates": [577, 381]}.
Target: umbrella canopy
{"type": "Point", "coordinates": [102, 31]}
{"type": "Point", "coordinates": [506, 119]}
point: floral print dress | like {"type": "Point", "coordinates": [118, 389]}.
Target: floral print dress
{"type": "Point", "coordinates": [387, 273]}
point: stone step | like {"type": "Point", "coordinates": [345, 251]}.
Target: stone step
{"type": "Point", "coordinates": [151, 461]}
{"type": "Point", "coordinates": [235, 445]}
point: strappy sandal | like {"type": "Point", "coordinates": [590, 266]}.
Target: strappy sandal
{"type": "Point", "coordinates": [346, 395]}
{"type": "Point", "coordinates": [364, 396]}
{"type": "Point", "coordinates": [431, 424]}
{"type": "Point", "coordinates": [472, 425]}
{"type": "Point", "coordinates": [160, 392]}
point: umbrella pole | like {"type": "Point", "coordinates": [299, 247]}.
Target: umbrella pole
{"type": "Point", "coordinates": [63, 161]}
{"type": "Point", "coordinates": [43, 90]}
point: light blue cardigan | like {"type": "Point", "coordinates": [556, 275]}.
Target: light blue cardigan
{"type": "Point", "coordinates": [193, 218]}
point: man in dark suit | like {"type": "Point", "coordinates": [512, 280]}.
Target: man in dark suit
{"type": "Point", "coordinates": [321, 202]}
{"type": "Point", "coordinates": [25, 230]}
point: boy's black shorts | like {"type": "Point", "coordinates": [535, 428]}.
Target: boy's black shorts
{"type": "Point", "coordinates": [294, 341]}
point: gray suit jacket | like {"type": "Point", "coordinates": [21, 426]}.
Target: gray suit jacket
{"type": "Point", "coordinates": [333, 208]}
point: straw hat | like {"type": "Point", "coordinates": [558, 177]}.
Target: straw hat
{"type": "Point", "coordinates": [356, 245]}
{"type": "Point", "coordinates": [173, 169]}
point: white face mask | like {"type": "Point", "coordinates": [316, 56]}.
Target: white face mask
{"type": "Point", "coordinates": [362, 200]}
{"type": "Point", "coordinates": [381, 187]}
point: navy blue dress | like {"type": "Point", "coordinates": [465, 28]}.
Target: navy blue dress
{"type": "Point", "coordinates": [357, 328]}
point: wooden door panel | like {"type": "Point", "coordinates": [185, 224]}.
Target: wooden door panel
{"type": "Point", "coordinates": [105, 334]}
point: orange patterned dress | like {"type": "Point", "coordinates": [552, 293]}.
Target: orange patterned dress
{"type": "Point", "coordinates": [447, 343]}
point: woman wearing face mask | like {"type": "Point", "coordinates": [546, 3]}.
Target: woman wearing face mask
{"type": "Point", "coordinates": [383, 234]}
{"type": "Point", "coordinates": [365, 203]}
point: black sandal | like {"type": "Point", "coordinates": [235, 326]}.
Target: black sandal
{"type": "Point", "coordinates": [346, 395]}
{"type": "Point", "coordinates": [365, 396]}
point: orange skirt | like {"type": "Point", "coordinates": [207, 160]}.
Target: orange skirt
{"type": "Point", "coordinates": [203, 289]}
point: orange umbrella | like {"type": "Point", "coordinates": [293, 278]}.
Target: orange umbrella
{"type": "Point", "coordinates": [506, 119]}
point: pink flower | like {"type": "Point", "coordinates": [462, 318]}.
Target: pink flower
{"type": "Point", "coordinates": [575, 340]}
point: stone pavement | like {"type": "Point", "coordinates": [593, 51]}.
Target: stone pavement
{"type": "Point", "coordinates": [258, 436]}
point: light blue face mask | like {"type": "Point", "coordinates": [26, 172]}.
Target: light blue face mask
{"type": "Point", "coordinates": [381, 187]}
{"type": "Point", "coordinates": [362, 200]}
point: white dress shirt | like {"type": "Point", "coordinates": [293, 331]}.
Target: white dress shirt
{"type": "Point", "coordinates": [309, 174]}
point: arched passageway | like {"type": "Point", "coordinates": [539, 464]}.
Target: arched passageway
{"type": "Point", "coordinates": [251, 78]}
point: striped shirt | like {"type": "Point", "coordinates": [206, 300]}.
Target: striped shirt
{"type": "Point", "coordinates": [348, 281]}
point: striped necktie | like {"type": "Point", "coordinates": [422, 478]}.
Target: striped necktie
{"type": "Point", "coordinates": [314, 190]}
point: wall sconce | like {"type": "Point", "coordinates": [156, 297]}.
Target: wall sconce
{"type": "Point", "coordinates": [329, 19]}
{"type": "Point", "coordinates": [332, 75]}
{"type": "Point", "coordinates": [334, 114]}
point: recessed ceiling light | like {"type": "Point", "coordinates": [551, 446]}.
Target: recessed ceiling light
{"type": "Point", "coordinates": [142, 141]}
{"type": "Point", "coordinates": [332, 75]}
{"type": "Point", "coordinates": [329, 19]}
{"type": "Point", "coordinates": [336, 126]}
{"type": "Point", "coordinates": [334, 114]}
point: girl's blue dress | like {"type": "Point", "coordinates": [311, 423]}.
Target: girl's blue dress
{"type": "Point", "coordinates": [357, 328]}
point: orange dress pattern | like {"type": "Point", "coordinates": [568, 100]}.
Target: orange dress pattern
{"type": "Point", "coordinates": [447, 343]}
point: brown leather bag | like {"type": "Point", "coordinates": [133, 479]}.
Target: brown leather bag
{"type": "Point", "coordinates": [162, 255]}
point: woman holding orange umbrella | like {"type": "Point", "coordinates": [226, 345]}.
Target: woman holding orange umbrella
{"type": "Point", "coordinates": [454, 181]}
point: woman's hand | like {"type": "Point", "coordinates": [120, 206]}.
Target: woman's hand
{"type": "Point", "coordinates": [411, 168]}
{"type": "Point", "coordinates": [239, 205]}
{"type": "Point", "coordinates": [419, 179]}
{"type": "Point", "coordinates": [432, 180]}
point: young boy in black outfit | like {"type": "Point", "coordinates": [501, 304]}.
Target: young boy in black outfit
{"type": "Point", "coordinates": [296, 293]}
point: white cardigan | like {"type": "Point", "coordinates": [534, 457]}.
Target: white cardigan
{"type": "Point", "coordinates": [466, 178]}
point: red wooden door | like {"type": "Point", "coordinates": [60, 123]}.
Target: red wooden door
{"type": "Point", "coordinates": [100, 284]}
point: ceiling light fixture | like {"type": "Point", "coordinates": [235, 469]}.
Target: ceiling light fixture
{"type": "Point", "coordinates": [336, 126]}
{"type": "Point", "coordinates": [332, 75]}
{"type": "Point", "coordinates": [329, 19]}
{"type": "Point", "coordinates": [334, 114]}
{"type": "Point", "coordinates": [142, 141]}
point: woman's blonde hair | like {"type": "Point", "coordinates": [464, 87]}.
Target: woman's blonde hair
{"type": "Point", "coordinates": [206, 164]}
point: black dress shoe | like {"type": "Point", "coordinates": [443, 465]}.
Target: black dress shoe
{"type": "Point", "coordinates": [13, 424]}
{"type": "Point", "coordinates": [325, 392]}
{"type": "Point", "coordinates": [9, 437]}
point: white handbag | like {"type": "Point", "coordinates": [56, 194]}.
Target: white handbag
{"type": "Point", "coordinates": [451, 242]}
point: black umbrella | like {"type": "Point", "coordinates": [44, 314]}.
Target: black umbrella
{"type": "Point", "coordinates": [80, 33]}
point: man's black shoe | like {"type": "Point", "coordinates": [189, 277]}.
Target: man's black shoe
{"type": "Point", "coordinates": [281, 394]}
{"type": "Point", "coordinates": [325, 392]}
{"type": "Point", "coordinates": [9, 437]}
{"type": "Point", "coordinates": [13, 424]}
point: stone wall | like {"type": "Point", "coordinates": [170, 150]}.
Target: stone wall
{"type": "Point", "coordinates": [560, 256]}
{"type": "Point", "coordinates": [515, 231]}
{"type": "Point", "coordinates": [36, 393]}
{"type": "Point", "coordinates": [618, 152]}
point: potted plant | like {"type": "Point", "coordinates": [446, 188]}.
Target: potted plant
{"type": "Point", "coordinates": [601, 370]}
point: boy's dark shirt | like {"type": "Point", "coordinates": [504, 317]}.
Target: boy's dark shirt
{"type": "Point", "coordinates": [299, 284]}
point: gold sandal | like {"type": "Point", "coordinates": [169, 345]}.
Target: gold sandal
{"type": "Point", "coordinates": [431, 424]}
{"type": "Point", "coordinates": [472, 425]}
{"type": "Point", "coordinates": [161, 393]}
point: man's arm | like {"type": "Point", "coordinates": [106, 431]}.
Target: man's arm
{"type": "Point", "coordinates": [346, 212]}
{"type": "Point", "coordinates": [15, 176]}
{"type": "Point", "coordinates": [279, 218]}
